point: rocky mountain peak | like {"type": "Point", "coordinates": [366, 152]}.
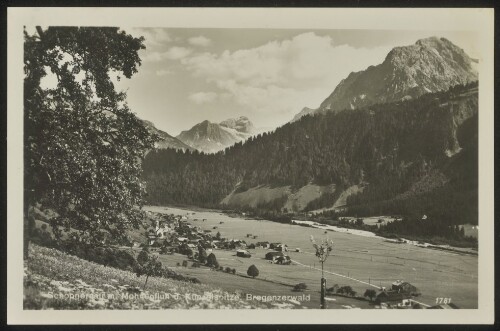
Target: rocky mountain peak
{"type": "Point", "coordinates": [430, 65]}
{"type": "Point", "coordinates": [213, 137]}
{"type": "Point", "coordinates": [241, 124]}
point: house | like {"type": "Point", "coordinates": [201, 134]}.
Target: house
{"type": "Point", "coordinates": [192, 246]}
{"type": "Point", "coordinates": [404, 287]}
{"type": "Point", "coordinates": [391, 297]}
{"type": "Point", "coordinates": [281, 248]}
{"type": "Point", "coordinates": [263, 244]}
{"type": "Point", "coordinates": [243, 253]}
{"type": "Point", "coordinates": [162, 228]}
{"type": "Point", "coordinates": [273, 255]}
{"type": "Point", "coordinates": [285, 259]}
{"type": "Point", "coordinates": [182, 239]}
{"type": "Point", "coordinates": [237, 243]}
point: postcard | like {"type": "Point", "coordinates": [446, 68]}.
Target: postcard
{"type": "Point", "coordinates": [265, 165]}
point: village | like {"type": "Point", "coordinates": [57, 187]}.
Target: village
{"type": "Point", "coordinates": [169, 235]}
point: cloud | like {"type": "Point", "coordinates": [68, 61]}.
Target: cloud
{"type": "Point", "coordinates": [173, 53]}
{"type": "Point", "coordinates": [177, 53]}
{"type": "Point", "coordinates": [199, 41]}
{"type": "Point", "coordinates": [203, 97]}
{"type": "Point", "coordinates": [154, 37]}
{"type": "Point", "coordinates": [283, 75]}
{"type": "Point", "coordinates": [163, 72]}
{"type": "Point", "coordinates": [152, 56]}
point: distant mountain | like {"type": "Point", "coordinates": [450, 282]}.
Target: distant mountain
{"type": "Point", "coordinates": [430, 65]}
{"type": "Point", "coordinates": [166, 140]}
{"type": "Point", "coordinates": [240, 124]}
{"type": "Point", "coordinates": [213, 137]}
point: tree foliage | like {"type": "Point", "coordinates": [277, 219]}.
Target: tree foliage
{"type": "Point", "coordinates": [202, 254]}
{"type": "Point", "coordinates": [252, 271]}
{"type": "Point", "coordinates": [370, 293]}
{"type": "Point", "coordinates": [149, 266]}
{"type": "Point", "coordinates": [212, 261]}
{"type": "Point", "coordinates": [83, 145]}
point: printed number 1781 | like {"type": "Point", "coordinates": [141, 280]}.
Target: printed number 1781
{"type": "Point", "coordinates": [443, 300]}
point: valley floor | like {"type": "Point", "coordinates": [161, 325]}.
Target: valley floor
{"type": "Point", "coordinates": [356, 261]}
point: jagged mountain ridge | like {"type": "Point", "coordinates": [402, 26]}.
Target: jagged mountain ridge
{"type": "Point", "coordinates": [166, 140]}
{"type": "Point", "coordinates": [211, 137]}
{"type": "Point", "coordinates": [430, 65]}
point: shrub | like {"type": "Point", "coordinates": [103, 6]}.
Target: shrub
{"type": "Point", "coordinates": [300, 287]}
{"type": "Point", "coordinates": [347, 290]}
{"type": "Point", "coordinates": [233, 271]}
{"type": "Point", "coordinates": [124, 260]}
{"type": "Point", "coordinates": [332, 289]}
{"type": "Point", "coordinates": [184, 263]}
{"type": "Point", "coordinates": [228, 270]}
{"type": "Point", "coordinates": [202, 255]}
{"type": "Point", "coordinates": [253, 271]}
{"type": "Point", "coordinates": [370, 293]}
{"type": "Point", "coordinates": [42, 237]}
{"type": "Point", "coordinates": [212, 261]}
{"type": "Point", "coordinates": [143, 257]}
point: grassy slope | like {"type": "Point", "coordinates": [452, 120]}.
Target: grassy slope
{"type": "Point", "coordinates": [50, 273]}
{"type": "Point", "coordinates": [297, 200]}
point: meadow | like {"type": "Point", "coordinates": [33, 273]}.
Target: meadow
{"type": "Point", "coordinates": [371, 260]}
{"type": "Point", "coordinates": [55, 280]}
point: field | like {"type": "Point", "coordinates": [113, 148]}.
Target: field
{"type": "Point", "coordinates": [363, 259]}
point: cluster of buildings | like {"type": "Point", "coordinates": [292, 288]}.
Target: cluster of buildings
{"type": "Point", "coordinates": [174, 234]}
{"type": "Point", "coordinates": [399, 295]}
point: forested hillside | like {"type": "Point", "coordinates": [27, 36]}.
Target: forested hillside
{"type": "Point", "coordinates": [414, 156]}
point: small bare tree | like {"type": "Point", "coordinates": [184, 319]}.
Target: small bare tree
{"type": "Point", "coordinates": [323, 250]}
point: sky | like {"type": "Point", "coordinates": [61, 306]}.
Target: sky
{"type": "Point", "coordinates": [189, 75]}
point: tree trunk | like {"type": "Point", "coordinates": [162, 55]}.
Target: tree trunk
{"type": "Point", "coordinates": [144, 287]}
{"type": "Point", "coordinates": [323, 289]}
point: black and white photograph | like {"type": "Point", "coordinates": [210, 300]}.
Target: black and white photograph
{"type": "Point", "coordinates": [260, 167]}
